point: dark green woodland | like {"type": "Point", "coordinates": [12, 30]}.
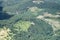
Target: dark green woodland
{"type": "Point", "coordinates": [29, 19]}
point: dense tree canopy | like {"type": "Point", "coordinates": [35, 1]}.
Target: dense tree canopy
{"type": "Point", "coordinates": [26, 20]}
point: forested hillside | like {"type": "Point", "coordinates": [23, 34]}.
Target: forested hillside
{"type": "Point", "coordinates": [29, 19]}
